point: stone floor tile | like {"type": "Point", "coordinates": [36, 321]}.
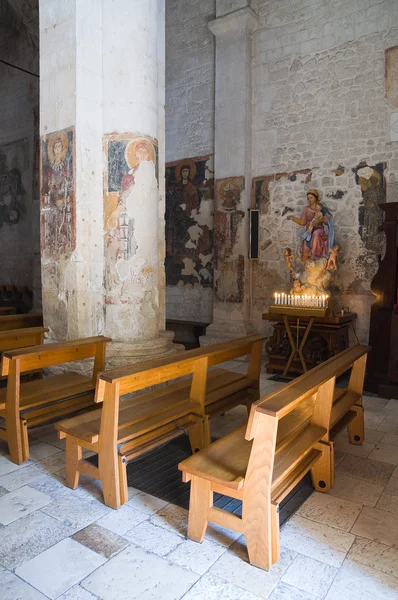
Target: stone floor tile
{"type": "Point", "coordinates": [7, 466]}
{"type": "Point", "coordinates": [392, 406]}
{"type": "Point", "coordinates": [77, 593]}
{"type": "Point", "coordinates": [231, 567]}
{"type": "Point", "coordinates": [122, 520]}
{"type": "Point", "coordinates": [356, 490]}
{"type": "Point", "coordinates": [389, 438]}
{"type": "Point", "coordinates": [331, 511]}
{"type": "Point", "coordinates": [311, 576]}
{"type": "Point", "coordinates": [283, 591]}
{"type": "Point", "coordinates": [3, 492]}
{"type": "Point", "coordinates": [377, 556]}
{"type": "Point", "coordinates": [100, 540]}
{"type": "Point", "coordinates": [385, 453]}
{"type": "Point", "coordinates": [377, 525]}
{"type": "Point", "coordinates": [239, 548]}
{"type": "Point", "coordinates": [57, 569]}
{"type": "Point", "coordinates": [53, 485]}
{"type": "Point", "coordinates": [135, 574]}
{"type": "Point", "coordinates": [146, 503]}
{"type": "Point", "coordinates": [196, 557]}
{"type": "Point", "coordinates": [364, 468]}
{"type": "Point", "coordinates": [316, 540]}
{"type": "Point", "coordinates": [392, 486]}
{"type": "Point", "coordinates": [389, 424]}
{"type": "Point", "coordinates": [21, 503]}
{"type": "Point", "coordinates": [54, 463]}
{"type": "Point", "coordinates": [338, 457]}
{"type": "Point", "coordinates": [373, 436]}
{"type": "Point", "coordinates": [374, 402]}
{"type": "Point", "coordinates": [76, 512]}
{"type": "Point", "coordinates": [210, 587]}
{"type": "Point", "coordinates": [173, 518]}
{"type": "Point", "coordinates": [39, 450]}
{"type": "Point", "coordinates": [13, 588]}
{"type": "Point", "coordinates": [153, 538]}
{"type": "Point", "coordinates": [20, 477]}
{"type": "Point", "coordinates": [387, 502]}
{"type": "Point", "coordinates": [372, 420]}
{"type": "Point", "coordinates": [25, 538]}
{"type": "Point", "coordinates": [358, 582]}
{"type": "Point", "coordinates": [344, 446]}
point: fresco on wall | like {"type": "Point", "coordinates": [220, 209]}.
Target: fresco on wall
{"type": "Point", "coordinates": [13, 163]}
{"type": "Point", "coordinates": [229, 257]}
{"type": "Point", "coordinates": [372, 184]}
{"type": "Point", "coordinates": [130, 178]}
{"type": "Point", "coordinates": [391, 75]}
{"type": "Point", "coordinates": [189, 221]}
{"type": "Point", "coordinates": [57, 195]}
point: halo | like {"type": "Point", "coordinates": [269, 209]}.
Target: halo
{"type": "Point", "coordinates": [131, 147]}
{"type": "Point", "coordinates": [60, 136]}
{"type": "Point", "coordinates": [192, 169]}
{"type": "Point", "coordinates": [227, 186]}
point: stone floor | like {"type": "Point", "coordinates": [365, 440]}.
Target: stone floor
{"type": "Point", "coordinates": [59, 543]}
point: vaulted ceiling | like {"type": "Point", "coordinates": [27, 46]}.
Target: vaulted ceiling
{"type": "Point", "coordinates": [16, 14]}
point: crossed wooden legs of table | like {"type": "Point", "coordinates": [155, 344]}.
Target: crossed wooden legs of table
{"type": "Point", "coordinates": [296, 347]}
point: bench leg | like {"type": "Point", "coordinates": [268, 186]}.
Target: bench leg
{"type": "Point", "coordinates": [25, 441]}
{"type": "Point", "coordinates": [109, 475]}
{"type": "Point", "coordinates": [200, 503]}
{"type": "Point", "coordinates": [74, 453]}
{"type": "Point", "coordinates": [321, 472]}
{"type": "Point", "coordinates": [197, 437]}
{"type": "Point", "coordinates": [275, 532]}
{"type": "Point", "coordinates": [262, 537]}
{"type": "Point", "coordinates": [356, 429]}
{"type": "Point", "coordinates": [14, 438]}
{"type": "Point", "coordinates": [124, 496]}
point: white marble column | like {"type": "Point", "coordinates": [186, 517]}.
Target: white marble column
{"type": "Point", "coordinates": [102, 207]}
{"type": "Point", "coordinates": [233, 114]}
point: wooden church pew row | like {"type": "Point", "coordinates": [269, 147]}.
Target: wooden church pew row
{"type": "Point", "coordinates": [8, 322]}
{"type": "Point", "coordinates": [287, 435]}
{"type": "Point", "coordinates": [27, 404]}
{"type": "Point", "coordinates": [128, 428]}
{"type": "Point", "coordinates": [7, 310]}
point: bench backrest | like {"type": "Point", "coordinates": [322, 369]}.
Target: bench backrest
{"type": "Point", "coordinates": [8, 322]}
{"type": "Point", "coordinates": [16, 362]}
{"type": "Point", "coordinates": [20, 338]}
{"type": "Point", "coordinates": [278, 420]}
{"type": "Point", "coordinates": [7, 310]}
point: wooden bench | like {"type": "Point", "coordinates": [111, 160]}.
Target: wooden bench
{"type": "Point", "coordinates": [7, 310]}
{"type": "Point", "coordinates": [288, 435]}
{"type": "Point", "coordinates": [20, 338]}
{"type": "Point", "coordinates": [28, 404]}
{"type": "Point", "coordinates": [8, 322]}
{"type": "Point", "coordinates": [129, 428]}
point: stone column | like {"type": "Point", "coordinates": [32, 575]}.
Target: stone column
{"type": "Point", "coordinates": [233, 113]}
{"type": "Point", "coordinates": [102, 98]}
{"type": "Point", "coordinates": [72, 253]}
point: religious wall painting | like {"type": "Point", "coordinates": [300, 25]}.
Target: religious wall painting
{"type": "Point", "coordinates": [373, 190]}
{"type": "Point", "coordinates": [130, 177]}
{"type": "Point", "coordinates": [58, 194]}
{"type": "Point", "coordinates": [229, 254]}
{"type": "Point", "coordinates": [13, 163]}
{"type": "Point", "coordinates": [190, 221]}
{"type": "Point", "coordinates": [391, 75]}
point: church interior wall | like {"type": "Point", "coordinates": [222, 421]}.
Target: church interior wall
{"type": "Point", "coordinates": [190, 81]}
{"type": "Point", "coordinates": [322, 120]}
{"type": "Point", "coordinates": [19, 158]}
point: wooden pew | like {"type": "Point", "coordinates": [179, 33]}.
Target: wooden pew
{"type": "Point", "coordinates": [129, 428]}
{"type": "Point", "coordinates": [288, 435]}
{"type": "Point", "coordinates": [7, 310]}
{"type": "Point", "coordinates": [20, 338]}
{"type": "Point", "coordinates": [28, 404]}
{"type": "Point", "coordinates": [8, 322]}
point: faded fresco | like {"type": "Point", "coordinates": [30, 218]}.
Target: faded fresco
{"type": "Point", "coordinates": [130, 179]}
{"type": "Point", "coordinates": [57, 195]}
{"type": "Point", "coordinates": [13, 163]}
{"type": "Point", "coordinates": [391, 75]}
{"type": "Point", "coordinates": [190, 221]}
{"type": "Point", "coordinates": [228, 246]}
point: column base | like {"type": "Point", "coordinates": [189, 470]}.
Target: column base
{"type": "Point", "coordinates": [122, 354]}
{"type": "Point", "coordinates": [224, 331]}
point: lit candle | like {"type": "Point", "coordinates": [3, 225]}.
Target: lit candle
{"type": "Point", "coordinates": [275, 297]}
{"type": "Point", "coordinates": [288, 299]}
{"type": "Point", "coordinates": [313, 300]}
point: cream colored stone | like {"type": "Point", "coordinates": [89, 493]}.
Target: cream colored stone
{"type": "Point", "coordinates": [146, 503]}
{"type": "Point", "coordinates": [284, 591]}
{"type": "Point", "coordinates": [13, 588]}
{"type": "Point", "coordinates": [214, 588]}
{"type": "Point", "coordinates": [316, 540]}
{"type": "Point", "coordinates": [354, 582]}
{"type": "Point", "coordinates": [76, 512]}
{"type": "Point", "coordinates": [387, 453]}
{"type": "Point", "coordinates": [328, 510]}
{"type": "Point", "coordinates": [377, 525]}
{"type": "Point", "coordinates": [389, 424]}
{"type": "Point", "coordinates": [153, 538]}
{"type": "Point", "coordinates": [375, 555]}
{"type": "Point", "coordinates": [390, 438]}
{"type": "Point", "coordinates": [356, 490]}
{"type": "Point", "coordinates": [344, 446]}
{"type": "Point", "coordinates": [364, 468]}
{"type": "Point", "coordinates": [21, 476]}
{"type": "Point", "coordinates": [389, 503]}
{"type": "Point", "coordinates": [21, 503]}
{"type": "Point", "coordinates": [122, 520]}
{"type": "Point", "coordinates": [196, 557]}
{"type": "Point", "coordinates": [310, 575]}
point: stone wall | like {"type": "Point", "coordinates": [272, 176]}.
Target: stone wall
{"type": "Point", "coordinates": [19, 154]}
{"type": "Point", "coordinates": [322, 120]}
{"type": "Point", "coordinates": [190, 72]}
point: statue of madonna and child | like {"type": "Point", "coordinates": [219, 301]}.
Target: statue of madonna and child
{"type": "Point", "coordinates": [318, 250]}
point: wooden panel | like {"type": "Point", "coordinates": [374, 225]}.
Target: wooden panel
{"type": "Point", "coordinates": [19, 338]}
{"type": "Point", "coordinates": [343, 404]}
{"type": "Point", "coordinates": [8, 322]}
